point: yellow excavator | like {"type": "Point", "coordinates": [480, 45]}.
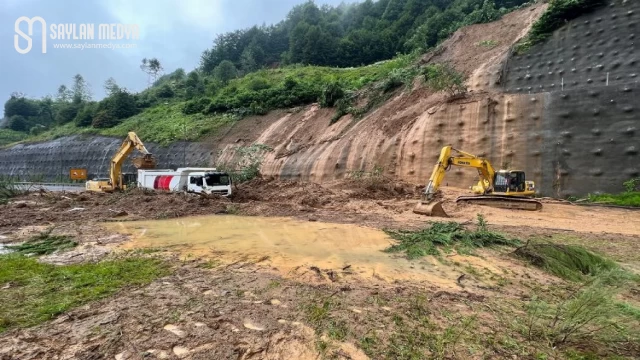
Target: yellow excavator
{"type": "Point", "coordinates": [116, 180]}
{"type": "Point", "coordinates": [507, 189]}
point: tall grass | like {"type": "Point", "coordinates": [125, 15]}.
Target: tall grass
{"type": "Point", "coordinates": [631, 199]}
{"type": "Point", "coordinates": [589, 313]}
{"type": "Point", "coordinates": [38, 292]}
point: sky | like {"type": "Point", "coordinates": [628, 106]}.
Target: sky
{"type": "Point", "coordinates": [176, 32]}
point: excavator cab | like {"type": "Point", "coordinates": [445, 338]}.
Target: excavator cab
{"type": "Point", "coordinates": [512, 183]}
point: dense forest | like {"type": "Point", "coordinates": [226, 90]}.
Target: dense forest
{"type": "Point", "coordinates": [350, 35]}
{"type": "Point", "coordinates": [298, 61]}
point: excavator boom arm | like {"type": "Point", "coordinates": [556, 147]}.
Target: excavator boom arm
{"type": "Point", "coordinates": [485, 170]}
{"type": "Point", "coordinates": [131, 142]}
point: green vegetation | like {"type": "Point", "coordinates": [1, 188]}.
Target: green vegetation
{"type": "Point", "coordinates": [566, 261]}
{"type": "Point", "coordinates": [8, 189]}
{"type": "Point", "coordinates": [556, 16]}
{"type": "Point", "coordinates": [33, 292]}
{"type": "Point", "coordinates": [255, 70]}
{"type": "Point", "coordinates": [320, 317]}
{"type": "Point", "coordinates": [425, 242]}
{"type": "Point", "coordinates": [8, 136]}
{"type": "Point", "coordinates": [488, 43]}
{"type": "Point", "coordinates": [44, 244]}
{"type": "Point", "coordinates": [630, 197]}
{"type": "Point", "coordinates": [589, 313]}
{"type": "Point", "coordinates": [443, 77]}
{"type": "Point", "coordinates": [349, 34]}
{"type": "Point", "coordinates": [246, 164]}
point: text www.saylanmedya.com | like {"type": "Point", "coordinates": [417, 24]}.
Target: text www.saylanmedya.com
{"type": "Point", "coordinates": [83, 46]}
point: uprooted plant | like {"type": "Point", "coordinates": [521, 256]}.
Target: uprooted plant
{"type": "Point", "coordinates": [44, 244]}
{"type": "Point", "coordinates": [566, 261]}
{"type": "Point", "coordinates": [427, 241]}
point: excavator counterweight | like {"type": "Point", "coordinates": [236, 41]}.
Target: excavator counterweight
{"type": "Point", "coordinates": [507, 189]}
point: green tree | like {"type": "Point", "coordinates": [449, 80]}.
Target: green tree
{"type": "Point", "coordinates": [63, 94]}
{"type": "Point", "coordinates": [104, 120]}
{"type": "Point", "coordinates": [111, 87]}
{"type": "Point", "coordinates": [86, 114]}
{"type": "Point", "coordinates": [152, 68]}
{"type": "Point", "coordinates": [18, 123]}
{"type": "Point", "coordinates": [118, 106]}
{"type": "Point", "coordinates": [20, 106]}
{"type": "Point", "coordinates": [81, 91]}
{"type": "Point", "coordinates": [67, 112]}
{"type": "Point", "coordinates": [247, 61]}
{"type": "Point", "coordinates": [225, 72]}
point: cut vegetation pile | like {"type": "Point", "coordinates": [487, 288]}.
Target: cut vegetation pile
{"type": "Point", "coordinates": [566, 261]}
{"type": "Point", "coordinates": [450, 235]}
{"type": "Point", "coordinates": [44, 244]}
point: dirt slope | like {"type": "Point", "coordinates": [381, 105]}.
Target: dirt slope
{"type": "Point", "coordinates": [404, 135]}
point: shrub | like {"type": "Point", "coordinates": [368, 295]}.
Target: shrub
{"type": "Point", "coordinates": [66, 113]}
{"type": "Point", "coordinates": [397, 78]}
{"type": "Point", "coordinates": [8, 189]}
{"type": "Point", "coordinates": [85, 116]}
{"type": "Point", "coordinates": [165, 91]}
{"type": "Point", "coordinates": [343, 107]}
{"type": "Point", "coordinates": [104, 119]}
{"type": "Point", "coordinates": [589, 313]}
{"type": "Point", "coordinates": [196, 106]}
{"type": "Point", "coordinates": [258, 84]}
{"type": "Point", "coordinates": [18, 123]}
{"type": "Point", "coordinates": [246, 167]}
{"type": "Point", "coordinates": [331, 93]}
{"type": "Point", "coordinates": [632, 185]}
{"type": "Point", "coordinates": [443, 77]}
{"type": "Point", "coordinates": [289, 83]}
{"type": "Point", "coordinates": [44, 244]}
{"type": "Point", "coordinates": [556, 15]}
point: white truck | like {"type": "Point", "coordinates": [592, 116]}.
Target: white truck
{"type": "Point", "coordinates": [195, 180]}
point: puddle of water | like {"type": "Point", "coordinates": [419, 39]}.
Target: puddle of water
{"type": "Point", "coordinates": [4, 250]}
{"type": "Point", "coordinates": [288, 244]}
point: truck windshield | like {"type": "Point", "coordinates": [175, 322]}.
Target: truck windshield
{"type": "Point", "coordinates": [217, 179]}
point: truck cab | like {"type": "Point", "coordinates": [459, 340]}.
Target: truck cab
{"type": "Point", "coordinates": [211, 182]}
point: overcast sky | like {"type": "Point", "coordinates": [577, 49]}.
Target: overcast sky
{"type": "Point", "coordinates": [174, 31]}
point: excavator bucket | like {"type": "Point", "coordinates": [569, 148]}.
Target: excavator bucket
{"type": "Point", "coordinates": [145, 162]}
{"type": "Point", "coordinates": [433, 208]}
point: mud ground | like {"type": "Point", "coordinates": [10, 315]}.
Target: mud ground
{"type": "Point", "coordinates": [248, 309]}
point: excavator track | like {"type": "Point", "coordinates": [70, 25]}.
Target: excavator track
{"type": "Point", "coordinates": [503, 202]}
